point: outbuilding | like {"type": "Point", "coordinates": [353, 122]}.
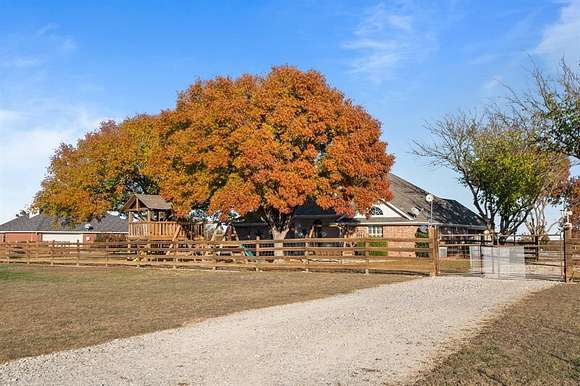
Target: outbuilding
{"type": "Point", "coordinates": [48, 228]}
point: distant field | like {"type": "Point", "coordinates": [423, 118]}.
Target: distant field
{"type": "Point", "coordinates": [45, 309]}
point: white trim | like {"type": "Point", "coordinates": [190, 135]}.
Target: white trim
{"type": "Point", "coordinates": [393, 207]}
{"type": "Point", "coordinates": [364, 223]}
{"type": "Point", "coordinates": [316, 215]}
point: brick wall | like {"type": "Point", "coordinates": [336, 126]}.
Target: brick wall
{"type": "Point", "coordinates": [19, 237]}
{"type": "Point", "coordinates": [403, 232]}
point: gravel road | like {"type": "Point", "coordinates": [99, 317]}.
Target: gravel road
{"type": "Point", "coordinates": [376, 335]}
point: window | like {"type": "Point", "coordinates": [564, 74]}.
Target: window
{"type": "Point", "coordinates": [376, 211]}
{"type": "Point", "coordinates": [375, 230]}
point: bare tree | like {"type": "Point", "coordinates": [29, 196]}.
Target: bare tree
{"type": "Point", "coordinates": [453, 148]}
{"type": "Point", "coordinates": [554, 107]}
{"type": "Point", "coordinates": [494, 158]}
{"type": "Point", "coordinates": [556, 185]}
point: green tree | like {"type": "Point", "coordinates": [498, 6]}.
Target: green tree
{"type": "Point", "coordinates": [495, 159]}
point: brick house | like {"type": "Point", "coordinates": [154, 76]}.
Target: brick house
{"type": "Point", "coordinates": [47, 228]}
{"type": "Point", "coordinates": [403, 217]}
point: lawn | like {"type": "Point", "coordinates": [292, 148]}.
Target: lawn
{"type": "Point", "coordinates": [535, 342]}
{"type": "Point", "coordinates": [45, 309]}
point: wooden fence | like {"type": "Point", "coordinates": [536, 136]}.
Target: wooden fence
{"type": "Point", "coordinates": [405, 255]}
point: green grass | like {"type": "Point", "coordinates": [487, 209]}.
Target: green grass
{"type": "Point", "coordinates": [377, 244]}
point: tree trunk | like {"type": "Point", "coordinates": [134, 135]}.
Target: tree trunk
{"type": "Point", "coordinates": [279, 234]}
{"type": "Point", "coordinates": [279, 226]}
{"type": "Point", "coordinates": [490, 227]}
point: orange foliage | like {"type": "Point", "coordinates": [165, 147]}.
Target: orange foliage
{"type": "Point", "coordinates": [252, 144]}
{"type": "Point", "coordinates": [100, 172]}
{"type": "Point", "coordinates": [267, 145]}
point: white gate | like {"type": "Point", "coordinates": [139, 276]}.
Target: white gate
{"type": "Point", "coordinates": [498, 262]}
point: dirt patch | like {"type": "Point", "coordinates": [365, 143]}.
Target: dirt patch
{"type": "Point", "coordinates": [45, 309]}
{"type": "Point", "coordinates": [534, 342]}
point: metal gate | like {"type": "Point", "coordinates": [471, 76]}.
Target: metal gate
{"type": "Point", "coordinates": [498, 262]}
{"type": "Point", "coordinates": [552, 257]}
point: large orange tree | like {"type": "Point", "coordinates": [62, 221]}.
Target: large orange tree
{"type": "Point", "coordinates": [99, 173]}
{"type": "Point", "coordinates": [256, 144]}
{"type": "Point", "coordinates": [266, 145]}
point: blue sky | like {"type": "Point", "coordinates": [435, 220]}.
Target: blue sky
{"type": "Point", "coordinates": [65, 66]}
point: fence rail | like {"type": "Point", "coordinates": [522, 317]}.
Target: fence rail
{"type": "Point", "coordinates": [409, 255]}
{"type": "Point", "coordinates": [428, 256]}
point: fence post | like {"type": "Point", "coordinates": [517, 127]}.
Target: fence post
{"type": "Point", "coordinates": [433, 242]}
{"type": "Point", "coordinates": [481, 244]}
{"type": "Point", "coordinates": [307, 254]}
{"type": "Point", "coordinates": [568, 257]}
{"type": "Point", "coordinates": [27, 252]}
{"type": "Point", "coordinates": [51, 249]}
{"type": "Point", "coordinates": [175, 248]}
{"type": "Point", "coordinates": [78, 254]}
{"type": "Point", "coordinates": [106, 253]}
{"type": "Point", "coordinates": [367, 256]}
{"type": "Point", "coordinates": [256, 261]}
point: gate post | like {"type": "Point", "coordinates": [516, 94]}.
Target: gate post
{"type": "Point", "coordinates": [434, 243]}
{"type": "Point", "coordinates": [568, 265]}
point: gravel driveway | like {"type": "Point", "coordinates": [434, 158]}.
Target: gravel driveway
{"type": "Point", "coordinates": [376, 335]}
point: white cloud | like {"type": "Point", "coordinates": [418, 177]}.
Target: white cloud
{"type": "Point", "coordinates": [485, 58]}
{"type": "Point", "coordinates": [493, 83]}
{"type": "Point", "coordinates": [39, 109]}
{"type": "Point", "coordinates": [8, 116]}
{"type": "Point", "coordinates": [562, 38]}
{"type": "Point", "coordinates": [30, 137]}
{"type": "Point", "coordinates": [68, 44]}
{"type": "Point", "coordinates": [20, 62]}
{"type": "Point", "coordinates": [390, 35]}
{"type": "Point", "coordinates": [45, 29]}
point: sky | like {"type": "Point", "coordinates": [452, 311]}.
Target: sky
{"type": "Point", "coordinates": [66, 66]}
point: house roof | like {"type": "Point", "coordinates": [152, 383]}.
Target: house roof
{"type": "Point", "coordinates": [406, 196]}
{"type": "Point", "coordinates": [149, 201]}
{"type": "Point", "coordinates": [43, 223]}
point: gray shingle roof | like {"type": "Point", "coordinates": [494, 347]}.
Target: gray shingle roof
{"type": "Point", "coordinates": [406, 196]}
{"type": "Point", "coordinates": [43, 223]}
